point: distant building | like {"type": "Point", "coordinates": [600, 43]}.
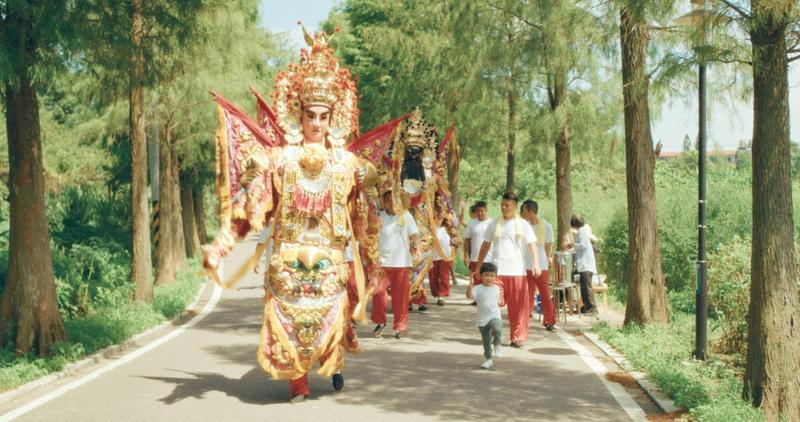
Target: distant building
{"type": "Point", "coordinates": [727, 155]}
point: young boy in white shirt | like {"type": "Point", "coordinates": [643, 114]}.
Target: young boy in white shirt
{"type": "Point", "coordinates": [490, 323]}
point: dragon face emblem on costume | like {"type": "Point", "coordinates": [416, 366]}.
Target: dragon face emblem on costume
{"type": "Point", "coordinates": [307, 272]}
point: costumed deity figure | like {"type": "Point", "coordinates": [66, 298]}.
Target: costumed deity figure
{"type": "Point", "coordinates": [412, 164]}
{"type": "Point", "coordinates": [291, 171]}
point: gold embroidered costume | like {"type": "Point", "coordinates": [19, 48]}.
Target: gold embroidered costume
{"type": "Point", "coordinates": [316, 196]}
{"type": "Point", "coordinates": [412, 165]}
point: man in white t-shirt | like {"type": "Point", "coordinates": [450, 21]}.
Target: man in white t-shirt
{"type": "Point", "coordinates": [399, 236]}
{"type": "Point", "coordinates": [544, 234]}
{"type": "Point", "coordinates": [439, 273]}
{"type": "Point", "coordinates": [473, 239]}
{"type": "Point", "coordinates": [512, 238]}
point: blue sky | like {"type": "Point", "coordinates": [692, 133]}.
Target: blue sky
{"type": "Point", "coordinates": [728, 123]}
{"type": "Point", "coordinates": [282, 16]}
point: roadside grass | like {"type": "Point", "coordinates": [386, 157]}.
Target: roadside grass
{"type": "Point", "coordinates": [710, 390]}
{"type": "Point", "coordinates": [111, 322]}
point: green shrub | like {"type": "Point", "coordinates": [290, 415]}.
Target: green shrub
{"type": "Point", "coordinates": [82, 214]}
{"type": "Point", "coordinates": [171, 299]}
{"type": "Point", "coordinates": [710, 390]}
{"type": "Point", "coordinates": [727, 216]}
{"type": "Point", "coordinates": [110, 319]}
{"type": "Point", "coordinates": [111, 325]}
{"type": "Point", "coordinates": [90, 276]}
{"type": "Point", "coordinates": [729, 294]}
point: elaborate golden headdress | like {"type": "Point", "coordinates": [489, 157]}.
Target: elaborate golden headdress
{"type": "Point", "coordinates": [418, 132]}
{"type": "Point", "coordinates": [317, 80]}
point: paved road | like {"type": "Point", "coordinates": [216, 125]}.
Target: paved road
{"type": "Point", "coordinates": [208, 372]}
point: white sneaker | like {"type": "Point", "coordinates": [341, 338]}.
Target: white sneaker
{"type": "Point", "coordinates": [497, 352]}
{"type": "Point", "coordinates": [488, 364]}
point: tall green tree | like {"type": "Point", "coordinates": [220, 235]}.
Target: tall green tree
{"type": "Point", "coordinates": [506, 62]}
{"type": "Point", "coordinates": [647, 299]}
{"type": "Point", "coordinates": [772, 373]}
{"type": "Point", "coordinates": [565, 40]}
{"type": "Point", "coordinates": [233, 55]}
{"type": "Point", "coordinates": [411, 54]}
{"type": "Point", "coordinates": [30, 35]}
{"type": "Point", "coordinates": [129, 44]}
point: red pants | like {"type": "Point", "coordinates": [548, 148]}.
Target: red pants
{"type": "Point", "coordinates": [352, 289]}
{"type": "Point", "coordinates": [398, 278]}
{"type": "Point", "coordinates": [473, 266]}
{"type": "Point", "coordinates": [299, 386]}
{"type": "Point", "coordinates": [542, 283]}
{"type": "Point", "coordinates": [439, 278]}
{"type": "Point", "coordinates": [514, 293]}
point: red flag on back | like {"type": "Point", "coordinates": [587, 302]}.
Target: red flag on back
{"type": "Point", "coordinates": [237, 115]}
{"type": "Point", "coordinates": [267, 119]}
{"type": "Point", "coordinates": [373, 144]}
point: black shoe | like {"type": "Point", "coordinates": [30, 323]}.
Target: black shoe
{"type": "Point", "coordinates": [422, 308]}
{"type": "Point", "coordinates": [474, 303]}
{"type": "Point", "coordinates": [410, 307]}
{"type": "Point", "coordinates": [550, 327]}
{"type": "Point", "coordinates": [589, 311]}
{"type": "Point", "coordinates": [440, 302]}
{"type": "Point", "coordinates": [378, 331]}
{"type": "Point", "coordinates": [516, 345]}
{"type": "Point", "coordinates": [400, 334]}
{"type": "Point", "coordinates": [338, 382]}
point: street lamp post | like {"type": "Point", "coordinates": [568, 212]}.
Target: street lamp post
{"type": "Point", "coordinates": [699, 20]}
{"type": "Point", "coordinates": [701, 295]}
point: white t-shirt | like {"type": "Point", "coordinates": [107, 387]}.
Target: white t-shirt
{"type": "Point", "coordinates": [548, 238]}
{"type": "Point", "coordinates": [395, 240]}
{"type": "Point", "coordinates": [444, 242]}
{"type": "Point", "coordinates": [475, 233]}
{"type": "Point", "coordinates": [584, 253]}
{"type": "Point", "coordinates": [488, 300]}
{"type": "Point", "coordinates": [509, 248]}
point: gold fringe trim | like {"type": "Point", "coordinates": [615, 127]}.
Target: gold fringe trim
{"type": "Point", "coordinates": [330, 347]}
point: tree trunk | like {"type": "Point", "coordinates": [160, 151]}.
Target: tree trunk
{"type": "Point", "coordinates": [647, 300]}
{"type": "Point", "coordinates": [512, 135]}
{"type": "Point", "coordinates": [200, 214]}
{"type": "Point", "coordinates": [772, 374]}
{"type": "Point", "coordinates": [563, 164]}
{"type": "Point", "coordinates": [29, 310]}
{"type": "Point", "coordinates": [190, 236]}
{"type": "Point", "coordinates": [141, 267]}
{"type": "Point", "coordinates": [171, 249]}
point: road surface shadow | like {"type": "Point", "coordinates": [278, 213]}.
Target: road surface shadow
{"type": "Point", "coordinates": [254, 387]}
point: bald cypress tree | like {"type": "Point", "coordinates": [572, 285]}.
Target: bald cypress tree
{"type": "Point", "coordinates": [30, 32]}
{"type": "Point", "coordinates": [130, 45]}
{"type": "Point", "coordinates": [647, 298]}
{"type": "Point", "coordinates": [772, 372]}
